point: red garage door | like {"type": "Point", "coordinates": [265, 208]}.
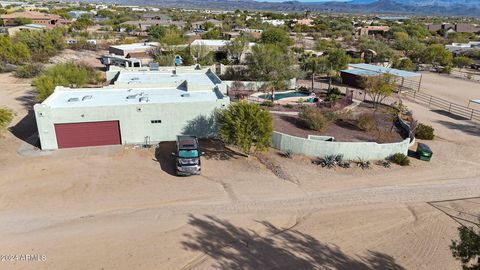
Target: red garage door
{"type": "Point", "coordinates": [87, 134]}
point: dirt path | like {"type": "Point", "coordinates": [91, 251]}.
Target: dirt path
{"type": "Point", "coordinates": [121, 208]}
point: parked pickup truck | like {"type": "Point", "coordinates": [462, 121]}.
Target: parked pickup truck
{"type": "Point", "coordinates": [187, 156]}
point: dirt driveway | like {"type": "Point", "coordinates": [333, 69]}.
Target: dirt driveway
{"type": "Point", "coordinates": [122, 208]}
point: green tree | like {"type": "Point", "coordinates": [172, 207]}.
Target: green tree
{"type": "Point", "coordinates": [13, 53]}
{"type": "Point", "coordinates": [467, 249]}
{"type": "Point", "coordinates": [247, 126]}
{"type": "Point", "coordinates": [462, 61]}
{"type": "Point", "coordinates": [276, 36]}
{"type": "Point", "coordinates": [237, 47]}
{"type": "Point", "coordinates": [269, 62]}
{"type": "Point", "coordinates": [379, 87]}
{"type": "Point", "coordinates": [41, 45]}
{"type": "Point", "coordinates": [408, 45]}
{"type": "Point", "coordinates": [436, 55]}
{"type": "Point", "coordinates": [68, 74]}
{"type": "Point", "coordinates": [156, 32]}
{"type": "Point", "coordinates": [214, 33]}
{"type": "Point", "coordinates": [6, 116]}
{"type": "Point", "coordinates": [405, 64]}
{"type": "Point", "coordinates": [83, 22]}
{"type": "Point", "coordinates": [381, 51]}
{"type": "Point", "coordinates": [22, 21]}
{"type": "Point", "coordinates": [338, 59]}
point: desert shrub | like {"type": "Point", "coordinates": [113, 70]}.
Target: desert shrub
{"type": "Point", "coordinates": [267, 103]}
{"type": "Point", "coordinates": [313, 118]}
{"type": "Point", "coordinates": [288, 106]}
{"type": "Point", "coordinates": [303, 89]}
{"type": "Point", "coordinates": [6, 116]}
{"type": "Point", "coordinates": [246, 125]}
{"type": "Point", "coordinates": [424, 132]}
{"type": "Point", "coordinates": [333, 94]}
{"type": "Point", "coordinates": [68, 74]}
{"type": "Point", "coordinates": [363, 164]}
{"type": "Point", "coordinates": [366, 122]}
{"type": "Point", "coordinates": [400, 159]}
{"type": "Point", "coordinates": [331, 161]}
{"type": "Point", "coordinates": [287, 154]}
{"type": "Point", "coordinates": [384, 163]}
{"type": "Point", "coordinates": [28, 70]}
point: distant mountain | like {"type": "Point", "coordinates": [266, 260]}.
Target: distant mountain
{"type": "Point", "coordinates": [413, 7]}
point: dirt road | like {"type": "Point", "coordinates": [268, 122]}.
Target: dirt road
{"type": "Point", "coordinates": [121, 208]}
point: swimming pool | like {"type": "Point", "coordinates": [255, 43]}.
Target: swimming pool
{"type": "Point", "coordinates": [281, 95]}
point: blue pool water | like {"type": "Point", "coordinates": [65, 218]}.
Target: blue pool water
{"type": "Point", "coordinates": [284, 95]}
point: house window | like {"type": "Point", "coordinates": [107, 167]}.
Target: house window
{"type": "Point", "coordinates": [156, 121]}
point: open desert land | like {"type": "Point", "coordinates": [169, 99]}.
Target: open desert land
{"type": "Point", "coordinates": [122, 208]}
{"type": "Point", "coordinates": [452, 89]}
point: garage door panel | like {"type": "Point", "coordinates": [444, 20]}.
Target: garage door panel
{"type": "Point", "coordinates": [87, 134]}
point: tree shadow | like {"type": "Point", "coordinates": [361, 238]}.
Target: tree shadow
{"type": "Point", "coordinates": [448, 114]}
{"type": "Point", "coordinates": [470, 129]}
{"type": "Point", "coordinates": [26, 129]}
{"type": "Point", "coordinates": [233, 247]}
{"type": "Point", "coordinates": [348, 124]}
{"type": "Point", "coordinates": [216, 149]}
{"type": "Point", "coordinates": [294, 120]}
{"type": "Point", "coordinates": [163, 155]}
{"type": "Point", "coordinates": [28, 99]}
{"type": "Point", "coordinates": [202, 127]}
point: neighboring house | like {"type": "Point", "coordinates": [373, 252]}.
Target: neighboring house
{"type": "Point", "coordinates": [141, 107]}
{"type": "Point", "coordinates": [156, 16]}
{"type": "Point", "coordinates": [75, 14]}
{"type": "Point", "coordinates": [454, 28]}
{"type": "Point", "coordinates": [136, 49]}
{"type": "Point", "coordinates": [372, 30]}
{"type": "Point", "coordinates": [273, 22]}
{"type": "Point", "coordinates": [199, 25]}
{"type": "Point", "coordinates": [201, 47]}
{"type": "Point", "coordinates": [144, 25]}
{"type": "Point", "coordinates": [125, 49]}
{"type": "Point", "coordinates": [27, 27]}
{"type": "Point", "coordinates": [461, 47]}
{"type": "Point", "coordinates": [306, 22]}
{"type": "Point", "coordinates": [48, 20]}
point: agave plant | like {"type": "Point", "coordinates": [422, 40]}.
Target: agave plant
{"type": "Point", "coordinates": [287, 154]}
{"type": "Point", "coordinates": [329, 161]}
{"type": "Point", "coordinates": [364, 164]}
{"type": "Point", "coordinates": [385, 163]}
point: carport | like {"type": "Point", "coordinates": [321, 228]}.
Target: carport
{"type": "Point", "coordinates": [406, 80]}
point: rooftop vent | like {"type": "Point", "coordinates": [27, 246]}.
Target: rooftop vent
{"type": "Point", "coordinates": [132, 96]}
{"type": "Point", "coordinates": [185, 95]}
{"type": "Point", "coordinates": [87, 97]}
{"type": "Point", "coordinates": [135, 79]}
{"type": "Point", "coordinates": [73, 99]}
{"type": "Point", "coordinates": [143, 99]}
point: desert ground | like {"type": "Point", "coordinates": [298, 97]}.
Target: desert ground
{"type": "Point", "coordinates": [122, 208]}
{"type": "Point", "coordinates": [455, 90]}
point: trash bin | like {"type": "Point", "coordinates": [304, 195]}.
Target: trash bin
{"type": "Point", "coordinates": [424, 152]}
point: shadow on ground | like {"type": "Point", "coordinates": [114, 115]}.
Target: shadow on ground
{"type": "Point", "coordinates": [28, 99]}
{"type": "Point", "coordinates": [163, 155]}
{"type": "Point", "coordinates": [471, 129]}
{"type": "Point", "coordinates": [216, 149]}
{"type": "Point", "coordinates": [212, 149]}
{"type": "Point", "coordinates": [26, 128]}
{"type": "Point", "coordinates": [233, 247]}
{"type": "Point", "coordinates": [451, 115]}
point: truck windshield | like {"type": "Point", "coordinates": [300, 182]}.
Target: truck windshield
{"type": "Point", "coordinates": [188, 153]}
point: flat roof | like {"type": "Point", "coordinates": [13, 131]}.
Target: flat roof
{"type": "Point", "coordinates": [135, 46]}
{"type": "Point", "coordinates": [384, 70]}
{"type": "Point", "coordinates": [210, 42]}
{"type": "Point", "coordinates": [95, 97]}
{"type": "Point", "coordinates": [360, 72]}
{"type": "Point", "coordinates": [163, 77]}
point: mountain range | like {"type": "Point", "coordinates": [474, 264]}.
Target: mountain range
{"type": "Point", "coordinates": [405, 7]}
